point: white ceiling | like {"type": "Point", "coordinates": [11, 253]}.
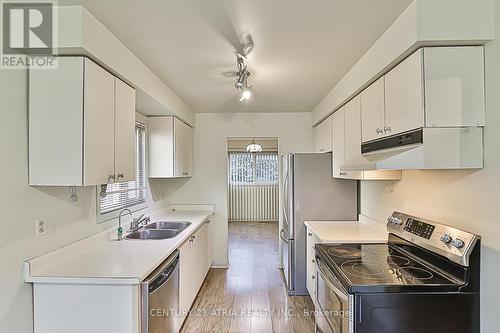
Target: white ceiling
{"type": "Point", "coordinates": [302, 48]}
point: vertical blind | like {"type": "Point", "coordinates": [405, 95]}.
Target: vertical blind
{"type": "Point", "coordinates": [253, 168]}
{"type": "Point", "coordinates": [253, 186]}
{"type": "Point", "coordinates": [126, 194]}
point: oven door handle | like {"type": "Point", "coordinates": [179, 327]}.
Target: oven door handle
{"type": "Point", "coordinates": [324, 276]}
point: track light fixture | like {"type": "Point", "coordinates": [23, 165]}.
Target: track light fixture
{"type": "Point", "coordinates": [241, 78]}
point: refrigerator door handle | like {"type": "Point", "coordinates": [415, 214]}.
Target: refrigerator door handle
{"type": "Point", "coordinates": [283, 237]}
{"type": "Point", "coordinates": [285, 199]}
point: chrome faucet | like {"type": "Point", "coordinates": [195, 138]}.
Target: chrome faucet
{"type": "Point", "coordinates": [136, 223]}
{"type": "Point", "coordinates": [120, 229]}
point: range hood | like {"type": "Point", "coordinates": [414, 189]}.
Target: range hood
{"type": "Point", "coordinates": [423, 148]}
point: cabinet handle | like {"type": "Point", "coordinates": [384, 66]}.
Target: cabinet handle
{"type": "Point", "coordinates": [379, 130]}
{"type": "Point", "coordinates": [313, 277]}
{"type": "Point", "coordinates": [387, 129]}
{"type": "Point", "coordinates": [309, 234]}
{"type": "Point", "coordinates": [185, 173]}
{"type": "Point", "coordinates": [314, 261]}
{"type": "Point", "coordinates": [111, 177]}
{"type": "Point", "coordinates": [343, 173]}
{"type": "Point", "coordinates": [120, 175]}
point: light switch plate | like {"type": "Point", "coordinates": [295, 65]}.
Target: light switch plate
{"type": "Point", "coordinates": [41, 227]}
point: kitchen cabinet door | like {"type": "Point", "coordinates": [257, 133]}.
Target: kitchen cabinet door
{"type": "Point", "coordinates": [161, 147]}
{"type": "Point", "coordinates": [323, 136]}
{"type": "Point", "coordinates": [56, 124]}
{"type": "Point", "coordinates": [404, 97]}
{"type": "Point", "coordinates": [311, 264]}
{"type": "Point", "coordinates": [183, 149]}
{"type": "Point", "coordinates": [338, 141]}
{"type": "Point", "coordinates": [125, 159]}
{"type": "Point", "coordinates": [352, 137]}
{"type": "Point", "coordinates": [99, 124]}
{"type": "Point", "coordinates": [202, 247]}
{"type": "Point", "coordinates": [454, 86]}
{"type": "Point", "coordinates": [188, 275]}
{"type": "Point", "coordinates": [373, 111]}
{"type": "Point", "coordinates": [339, 146]}
{"type": "Point", "coordinates": [194, 254]}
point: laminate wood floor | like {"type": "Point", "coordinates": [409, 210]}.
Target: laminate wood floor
{"type": "Point", "coordinates": [251, 295]}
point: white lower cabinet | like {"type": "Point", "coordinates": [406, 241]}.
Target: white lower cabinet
{"type": "Point", "coordinates": [86, 307]}
{"type": "Point", "coordinates": [311, 240]}
{"type": "Point", "coordinates": [194, 265]}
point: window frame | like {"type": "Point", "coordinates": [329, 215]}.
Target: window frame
{"type": "Point", "coordinates": [135, 207]}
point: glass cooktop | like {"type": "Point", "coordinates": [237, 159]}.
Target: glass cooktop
{"type": "Point", "coordinates": [379, 265]}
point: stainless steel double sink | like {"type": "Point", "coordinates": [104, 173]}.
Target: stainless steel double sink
{"type": "Point", "coordinates": [159, 230]}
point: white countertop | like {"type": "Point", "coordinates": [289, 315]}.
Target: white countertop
{"type": "Point", "coordinates": [101, 259]}
{"type": "Point", "coordinates": [365, 230]}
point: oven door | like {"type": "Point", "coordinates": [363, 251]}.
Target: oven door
{"type": "Point", "coordinates": [335, 312]}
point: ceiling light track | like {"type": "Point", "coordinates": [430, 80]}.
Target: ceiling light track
{"type": "Point", "coordinates": [242, 78]}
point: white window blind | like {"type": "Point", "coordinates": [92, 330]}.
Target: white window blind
{"type": "Point", "coordinates": [253, 168]}
{"type": "Point", "coordinates": [253, 186]}
{"type": "Point", "coordinates": [121, 195]}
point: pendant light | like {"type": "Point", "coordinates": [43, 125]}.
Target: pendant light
{"type": "Point", "coordinates": [254, 147]}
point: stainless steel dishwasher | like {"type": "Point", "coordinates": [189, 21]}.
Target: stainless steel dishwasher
{"type": "Point", "coordinates": [160, 298]}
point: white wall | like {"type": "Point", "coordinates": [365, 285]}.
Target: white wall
{"type": "Point", "coordinates": [209, 183]}
{"type": "Point", "coordinates": [21, 204]}
{"type": "Point", "coordinates": [465, 199]}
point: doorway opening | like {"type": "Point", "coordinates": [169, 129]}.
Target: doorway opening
{"type": "Point", "coordinates": [252, 282]}
{"type": "Point", "coordinates": [253, 191]}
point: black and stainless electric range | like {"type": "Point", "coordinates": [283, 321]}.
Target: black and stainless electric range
{"type": "Point", "coordinates": [425, 279]}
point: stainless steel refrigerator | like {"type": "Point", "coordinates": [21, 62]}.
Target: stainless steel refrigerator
{"type": "Point", "coordinates": [310, 193]}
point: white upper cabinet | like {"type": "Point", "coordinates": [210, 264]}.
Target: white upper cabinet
{"type": "Point", "coordinates": [125, 159]}
{"type": "Point", "coordinates": [323, 136]}
{"type": "Point", "coordinates": [454, 86]}
{"type": "Point", "coordinates": [434, 87]}
{"type": "Point", "coordinates": [338, 123]}
{"type": "Point", "coordinates": [78, 126]}
{"type": "Point", "coordinates": [347, 145]}
{"type": "Point", "coordinates": [340, 146]}
{"type": "Point", "coordinates": [373, 107]}
{"type": "Point", "coordinates": [161, 147]}
{"type": "Point", "coordinates": [404, 96]}
{"type": "Point", "coordinates": [352, 135]}
{"type": "Point", "coordinates": [170, 148]}
{"type": "Point", "coordinates": [183, 147]}
{"type": "Point", "coordinates": [98, 125]}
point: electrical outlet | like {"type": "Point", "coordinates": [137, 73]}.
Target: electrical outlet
{"type": "Point", "coordinates": [41, 227]}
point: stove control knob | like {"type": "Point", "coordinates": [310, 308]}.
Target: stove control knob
{"type": "Point", "coordinates": [446, 239]}
{"type": "Point", "coordinates": [398, 221]}
{"type": "Point", "coordinates": [458, 243]}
